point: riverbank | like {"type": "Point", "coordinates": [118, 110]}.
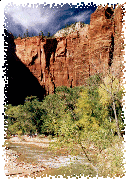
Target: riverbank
{"type": "Point", "coordinates": [108, 162]}
{"type": "Point", "coordinates": [31, 156]}
{"type": "Point", "coordinates": [41, 142]}
{"type": "Point", "coordinates": [15, 168]}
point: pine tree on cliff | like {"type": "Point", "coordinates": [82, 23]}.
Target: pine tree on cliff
{"type": "Point", "coordinates": [48, 34]}
{"type": "Point", "coordinates": [42, 34]}
{"type": "Point", "coordinates": [24, 35]}
{"type": "Point", "coordinates": [27, 33]}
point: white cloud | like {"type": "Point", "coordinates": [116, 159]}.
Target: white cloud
{"type": "Point", "coordinates": [80, 17]}
{"type": "Point", "coordinates": [83, 16]}
{"type": "Point", "coordinates": [28, 16]}
{"type": "Point", "coordinates": [37, 18]}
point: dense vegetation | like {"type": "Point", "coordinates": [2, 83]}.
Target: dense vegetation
{"type": "Point", "coordinates": [46, 116]}
{"type": "Point", "coordinates": [27, 35]}
{"type": "Point", "coordinates": [89, 116]}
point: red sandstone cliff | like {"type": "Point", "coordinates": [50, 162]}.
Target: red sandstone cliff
{"type": "Point", "coordinates": [70, 60]}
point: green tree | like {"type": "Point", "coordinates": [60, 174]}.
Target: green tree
{"type": "Point", "coordinates": [15, 37]}
{"type": "Point", "coordinates": [48, 35]}
{"type": "Point", "coordinates": [27, 35]}
{"type": "Point", "coordinates": [53, 108]}
{"type": "Point", "coordinates": [24, 35]}
{"type": "Point", "coordinates": [12, 115]}
{"type": "Point", "coordinates": [90, 125]}
{"type": "Point", "coordinates": [19, 119]}
{"type": "Point", "coordinates": [56, 107]}
{"type": "Point", "coordinates": [42, 34]}
{"type": "Point", "coordinates": [25, 117]}
{"type": "Point", "coordinates": [111, 94]}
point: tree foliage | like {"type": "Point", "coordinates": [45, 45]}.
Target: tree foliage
{"type": "Point", "coordinates": [46, 116]}
{"type": "Point", "coordinates": [88, 110]}
{"type": "Point", "coordinates": [48, 35]}
{"type": "Point", "coordinates": [111, 94]}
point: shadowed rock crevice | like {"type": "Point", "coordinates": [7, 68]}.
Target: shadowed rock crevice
{"type": "Point", "coordinates": [33, 59]}
{"type": "Point", "coordinates": [21, 82]}
{"type": "Point", "coordinates": [111, 51]}
{"type": "Point", "coordinates": [108, 13]}
{"type": "Point", "coordinates": [49, 48]}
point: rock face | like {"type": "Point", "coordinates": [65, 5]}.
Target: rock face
{"type": "Point", "coordinates": [105, 40]}
{"type": "Point", "coordinates": [71, 59]}
{"type": "Point", "coordinates": [65, 31]}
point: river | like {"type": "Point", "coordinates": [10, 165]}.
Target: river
{"type": "Point", "coordinates": [60, 163]}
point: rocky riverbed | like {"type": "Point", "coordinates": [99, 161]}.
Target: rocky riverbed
{"type": "Point", "coordinates": [14, 167]}
{"type": "Point", "coordinates": [27, 156]}
{"type": "Point", "coordinates": [31, 157]}
{"type": "Point", "coordinates": [40, 142]}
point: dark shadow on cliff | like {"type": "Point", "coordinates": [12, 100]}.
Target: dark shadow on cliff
{"type": "Point", "coordinates": [21, 82]}
{"type": "Point", "coordinates": [49, 48]}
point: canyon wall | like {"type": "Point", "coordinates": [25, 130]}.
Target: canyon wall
{"type": "Point", "coordinates": [71, 59]}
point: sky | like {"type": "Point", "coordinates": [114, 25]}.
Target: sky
{"type": "Point", "coordinates": [43, 17]}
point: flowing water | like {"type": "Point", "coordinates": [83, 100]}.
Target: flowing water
{"type": "Point", "coordinates": [61, 163]}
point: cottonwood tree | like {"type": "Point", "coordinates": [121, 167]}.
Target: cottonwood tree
{"type": "Point", "coordinates": [111, 93]}
{"type": "Point", "coordinates": [112, 87]}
